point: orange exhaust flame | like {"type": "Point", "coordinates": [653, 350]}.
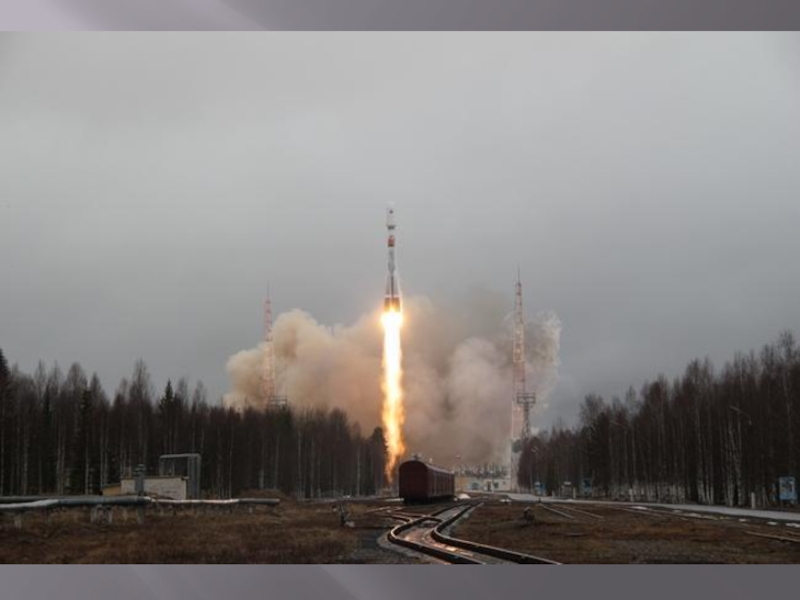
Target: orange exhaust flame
{"type": "Point", "coordinates": [393, 414]}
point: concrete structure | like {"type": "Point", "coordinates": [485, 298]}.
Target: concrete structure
{"type": "Point", "coordinates": [178, 479]}
{"type": "Point", "coordinates": [172, 487]}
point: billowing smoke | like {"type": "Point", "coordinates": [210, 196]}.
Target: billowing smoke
{"type": "Point", "coordinates": [316, 366]}
{"type": "Point", "coordinates": [456, 373]}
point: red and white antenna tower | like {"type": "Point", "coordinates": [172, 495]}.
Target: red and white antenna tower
{"type": "Point", "coordinates": [271, 399]}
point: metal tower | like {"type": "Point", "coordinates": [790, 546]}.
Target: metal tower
{"type": "Point", "coordinates": [526, 400]}
{"type": "Point", "coordinates": [522, 401]}
{"type": "Point", "coordinates": [271, 399]}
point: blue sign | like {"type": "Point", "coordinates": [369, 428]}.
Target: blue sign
{"type": "Point", "coordinates": [787, 489]}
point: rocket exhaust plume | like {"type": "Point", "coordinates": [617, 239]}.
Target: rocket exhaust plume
{"type": "Point", "coordinates": [392, 414]}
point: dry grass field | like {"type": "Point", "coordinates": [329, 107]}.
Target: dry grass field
{"type": "Point", "coordinates": [623, 536]}
{"type": "Point", "coordinates": [289, 533]}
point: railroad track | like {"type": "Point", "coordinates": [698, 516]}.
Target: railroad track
{"type": "Point", "coordinates": [686, 516]}
{"type": "Point", "coordinates": [579, 512]}
{"type": "Point", "coordinates": [426, 535]}
{"type": "Point", "coordinates": [560, 513]}
{"type": "Point", "coordinates": [779, 538]}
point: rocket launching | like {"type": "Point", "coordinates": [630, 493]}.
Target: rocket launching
{"type": "Point", "coordinates": [392, 299]}
{"type": "Point", "coordinates": [393, 414]}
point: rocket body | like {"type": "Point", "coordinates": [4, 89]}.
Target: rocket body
{"type": "Point", "coordinates": [391, 301]}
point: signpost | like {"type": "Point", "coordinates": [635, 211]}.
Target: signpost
{"type": "Point", "coordinates": [787, 489]}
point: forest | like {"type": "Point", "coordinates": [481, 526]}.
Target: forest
{"type": "Point", "coordinates": [62, 434]}
{"type": "Point", "coordinates": [709, 436]}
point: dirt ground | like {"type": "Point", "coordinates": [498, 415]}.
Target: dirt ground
{"type": "Point", "coordinates": [628, 536]}
{"type": "Point", "coordinates": [295, 532]}
{"type": "Point", "coordinates": [289, 533]}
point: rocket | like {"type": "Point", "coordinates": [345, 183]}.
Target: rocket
{"type": "Point", "coordinates": [392, 300]}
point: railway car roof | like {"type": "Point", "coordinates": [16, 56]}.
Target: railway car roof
{"type": "Point", "coordinates": [430, 467]}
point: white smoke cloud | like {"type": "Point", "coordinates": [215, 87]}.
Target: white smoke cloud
{"type": "Point", "coordinates": [456, 373]}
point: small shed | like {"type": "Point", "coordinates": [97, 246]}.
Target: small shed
{"type": "Point", "coordinates": [174, 488]}
{"type": "Point", "coordinates": [182, 465]}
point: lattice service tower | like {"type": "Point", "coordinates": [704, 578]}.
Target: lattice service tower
{"type": "Point", "coordinates": [522, 401]}
{"type": "Point", "coordinates": [268, 386]}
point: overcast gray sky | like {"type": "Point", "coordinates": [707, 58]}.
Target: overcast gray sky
{"type": "Point", "coordinates": [648, 185]}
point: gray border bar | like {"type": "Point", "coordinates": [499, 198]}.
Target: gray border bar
{"type": "Point", "coordinates": [380, 15]}
{"type": "Point", "coordinates": [354, 582]}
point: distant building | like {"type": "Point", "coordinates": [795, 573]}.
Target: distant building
{"type": "Point", "coordinates": [178, 479]}
{"type": "Point", "coordinates": [473, 483]}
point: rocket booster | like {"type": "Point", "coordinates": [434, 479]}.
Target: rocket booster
{"type": "Point", "coordinates": [392, 300]}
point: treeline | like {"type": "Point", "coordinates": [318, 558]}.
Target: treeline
{"type": "Point", "coordinates": [61, 434]}
{"type": "Point", "coordinates": [708, 437]}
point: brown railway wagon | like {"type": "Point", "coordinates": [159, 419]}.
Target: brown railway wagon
{"type": "Point", "coordinates": [421, 482]}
